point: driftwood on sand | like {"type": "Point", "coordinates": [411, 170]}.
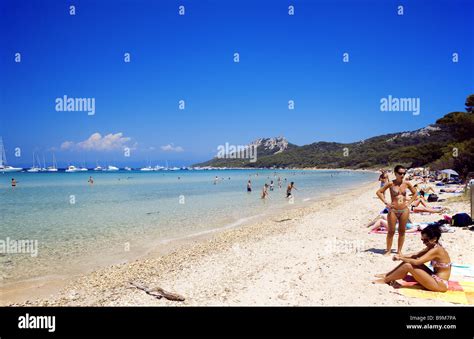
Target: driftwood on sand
{"type": "Point", "coordinates": [158, 292]}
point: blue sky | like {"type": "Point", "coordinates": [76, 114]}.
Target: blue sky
{"type": "Point", "coordinates": [191, 58]}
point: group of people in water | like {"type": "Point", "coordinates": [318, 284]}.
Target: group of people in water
{"type": "Point", "coordinates": [271, 187]}
{"type": "Point", "coordinates": [399, 208]}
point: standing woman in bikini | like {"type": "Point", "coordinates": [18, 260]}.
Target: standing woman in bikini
{"type": "Point", "coordinates": [399, 208]}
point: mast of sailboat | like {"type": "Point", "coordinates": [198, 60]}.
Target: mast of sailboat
{"type": "Point", "coordinates": [3, 157]}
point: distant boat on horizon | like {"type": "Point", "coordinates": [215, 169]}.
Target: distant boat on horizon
{"type": "Point", "coordinates": [98, 167]}
{"type": "Point", "coordinates": [71, 169]}
{"type": "Point", "coordinates": [83, 168]}
{"type": "Point", "coordinates": [111, 168]}
{"type": "Point", "coordinates": [34, 168]}
{"type": "Point", "coordinates": [53, 168]}
{"type": "Point", "coordinates": [3, 161]}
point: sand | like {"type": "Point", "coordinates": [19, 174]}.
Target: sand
{"type": "Point", "coordinates": [316, 255]}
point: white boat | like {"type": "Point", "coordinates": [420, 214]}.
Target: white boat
{"type": "Point", "coordinates": [158, 168]}
{"type": "Point", "coordinates": [112, 168]}
{"type": "Point", "coordinates": [34, 168]}
{"type": "Point", "coordinates": [146, 169]}
{"type": "Point", "coordinates": [43, 169]}
{"type": "Point", "coordinates": [97, 167]}
{"type": "Point", "coordinates": [71, 169]}
{"type": "Point", "coordinates": [53, 168]}
{"type": "Point", "coordinates": [127, 169]}
{"type": "Point", "coordinates": [3, 161]}
{"type": "Point", "coordinates": [83, 168]}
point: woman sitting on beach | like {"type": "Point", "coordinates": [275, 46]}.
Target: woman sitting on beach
{"type": "Point", "coordinates": [436, 280]}
{"type": "Point", "coordinates": [399, 207]}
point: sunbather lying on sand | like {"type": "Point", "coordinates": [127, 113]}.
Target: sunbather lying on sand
{"type": "Point", "coordinates": [452, 190]}
{"type": "Point", "coordinates": [419, 206]}
{"type": "Point", "coordinates": [382, 225]}
{"type": "Point", "coordinates": [436, 280]}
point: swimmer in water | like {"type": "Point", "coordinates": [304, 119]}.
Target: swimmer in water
{"type": "Point", "coordinates": [289, 188]}
{"type": "Point", "coordinates": [265, 191]}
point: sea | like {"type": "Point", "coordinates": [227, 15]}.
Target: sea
{"type": "Point", "coordinates": [59, 224]}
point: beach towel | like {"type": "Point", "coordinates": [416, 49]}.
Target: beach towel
{"type": "Point", "coordinates": [460, 272]}
{"type": "Point", "coordinates": [459, 292]}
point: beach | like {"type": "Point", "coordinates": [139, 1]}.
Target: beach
{"type": "Point", "coordinates": [320, 254]}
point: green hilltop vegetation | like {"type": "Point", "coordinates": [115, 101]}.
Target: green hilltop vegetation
{"type": "Point", "coordinates": [449, 143]}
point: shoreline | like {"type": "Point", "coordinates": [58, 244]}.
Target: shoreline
{"type": "Point", "coordinates": [244, 265]}
{"type": "Point", "coordinates": [45, 286]}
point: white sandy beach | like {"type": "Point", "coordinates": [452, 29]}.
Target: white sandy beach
{"type": "Point", "coordinates": [322, 255]}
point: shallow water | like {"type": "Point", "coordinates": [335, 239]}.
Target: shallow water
{"type": "Point", "coordinates": [79, 226]}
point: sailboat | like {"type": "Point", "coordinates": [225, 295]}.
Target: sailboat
{"type": "Point", "coordinates": [147, 168]}
{"type": "Point", "coordinates": [3, 161]}
{"type": "Point", "coordinates": [71, 169]}
{"type": "Point", "coordinates": [53, 168]}
{"type": "Point", "coordinates": [43, 169]}
{"type": "Point", "coordinates": [83, 168]}
{"type": "Point", "coordinates": [34, 169]}
{"type": "Point", "coordinates": [111, 168]}
{"type": "Point", "coordinates": [98, 168]}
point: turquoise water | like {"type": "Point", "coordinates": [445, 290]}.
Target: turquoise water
{"type": "Point", "coordinates": [124, 214]}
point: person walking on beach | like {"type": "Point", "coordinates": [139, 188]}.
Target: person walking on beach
{"type": "Point", "coordinates": [279, 182]}
{"type": "Point", "coordinates": [249, 186]}
{"type": "Point", "coordinates": [383, 178]}
{"type": "Point", "coordinates": [90, 181]}
{"type": "Point", "coordinates": [271, 185]}
{"type": "Point", "coordinates": [265, 191]}
{"type": "Point", "coordinates": [14, 183]}
{"type": "Point", "coordinates": [434, 280]}
{"type": "Point", "coordinates": [399, 208]}
{"type": "Point", "coordinates": [289, 188]}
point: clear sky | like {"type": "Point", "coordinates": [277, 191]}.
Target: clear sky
{"type": "Point", "coordinates": [191, 58]}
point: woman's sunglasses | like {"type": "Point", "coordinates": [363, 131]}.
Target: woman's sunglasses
{"type": "Point", "coordinates": [403, 173]}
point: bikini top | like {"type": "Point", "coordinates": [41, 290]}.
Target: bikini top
{"type": "Point", "coordinates": [437, 264]}
{"type": "Point", "coordinates": [397, 192]}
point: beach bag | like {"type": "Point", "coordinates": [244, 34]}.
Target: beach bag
{"type": "Point", "coordinates": [432, 197]}
{"type": "Point", "coordinates": [461, 219]}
